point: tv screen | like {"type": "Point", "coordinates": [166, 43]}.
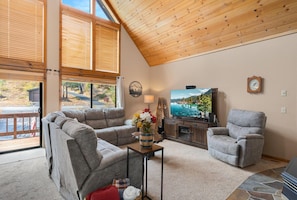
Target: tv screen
{"type": "Point", "coordinates": [191, 102]}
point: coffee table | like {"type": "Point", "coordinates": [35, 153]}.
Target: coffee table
{"type": "Point", "coordinates": [145, 152]}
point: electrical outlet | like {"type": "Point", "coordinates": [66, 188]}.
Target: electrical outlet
{"type": "Point", "coordinates": [283, 109]}
{"type": "Point", "coordinates": [283, 93]}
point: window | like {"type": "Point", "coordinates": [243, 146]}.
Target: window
{"type": "Point", "coordinates": [82, 95]}
{"type": "Point", "coordinates": [107, 53]}
{"type": "Point", "coordinates": [100, 12]}
{"type": "Point", "coordinates": [22, 34]}
{"type": "Point", "coordinates": [104, 95]}
{"type": "Point", "coordinates": [76, 42]}
{"type": "Point", "coordinates": [90, 42]}
{"type": "Point", "coordinates": [83, 5]}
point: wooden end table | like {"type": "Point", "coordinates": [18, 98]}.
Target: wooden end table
{"type": "Point", "coordinates": [145, 152]}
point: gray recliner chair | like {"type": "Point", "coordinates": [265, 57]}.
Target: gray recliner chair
{"type": "Point", "coordinates": [241, 142]}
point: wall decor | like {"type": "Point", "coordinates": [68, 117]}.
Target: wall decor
{"type": "Point", "coordinates": [254, 84]}
{"type": "Point", "coordinates": [135, 89]}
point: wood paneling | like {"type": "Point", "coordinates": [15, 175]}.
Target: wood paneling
{"type": "Point", "coordinates": [169, 30]}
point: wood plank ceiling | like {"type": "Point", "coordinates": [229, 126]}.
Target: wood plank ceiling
{"type": "Point", "coordinates": [169, 30]}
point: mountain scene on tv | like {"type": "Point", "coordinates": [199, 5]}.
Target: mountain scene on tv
{"type": "Point", "coordinates": [191, 102]}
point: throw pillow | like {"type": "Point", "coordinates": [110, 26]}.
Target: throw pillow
{"type": "Point", "coordinates": [107, 193]}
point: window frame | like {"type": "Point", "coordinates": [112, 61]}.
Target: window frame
{"type": "Point", "coordinates": [93, 72]}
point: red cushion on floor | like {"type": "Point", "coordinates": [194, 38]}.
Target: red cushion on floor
{"type": "Point", "coordinates": [107, 193]}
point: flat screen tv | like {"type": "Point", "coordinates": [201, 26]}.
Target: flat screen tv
{"type": "Point", "coordinates": [194, 103]}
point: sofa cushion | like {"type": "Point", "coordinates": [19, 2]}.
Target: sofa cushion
{"type": "Point", "coordinates": [224, 144]}
{"type": "Point", "coordinates": [124, 134]}
{"type": "Point", "coordinates": [247, 118]}
{"type": "Point", "coordinates": [106, 148]}
{"type": "Point", "coordinates": [85, 137]}
{"type": "Point", "coordinates": [108, 134]}
{"type": "Point", "coordinates": [115, 116]}
{"type": "Point", "coordinates": [95, 118]}
{"type": "Point", "coordinates": [236, 131]}
{"type": "Point", "coordinates": [52, 116]}
{"type": "Point", "coordinates": [76, 114]}
{"type": "Point", "coordinates": [60, 120]}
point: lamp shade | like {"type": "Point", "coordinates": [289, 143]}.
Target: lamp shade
{"type": "Point", "coordinates": [149, 99]}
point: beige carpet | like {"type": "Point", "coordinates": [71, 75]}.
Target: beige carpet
{"type": "Point", "coordinates": [190, 173]}
{"type": "Point", "coordinates": [24, 176]}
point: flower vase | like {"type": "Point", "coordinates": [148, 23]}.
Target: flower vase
{"type": "Point", "coordinates": [146, 140]}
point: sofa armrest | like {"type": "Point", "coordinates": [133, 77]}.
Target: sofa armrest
{"type": "Point", "coordinates": [251, 147]}
{"type": "Point", "coordinates": [120, 157]}
{"type": "Point", "coordinates": [118, 161]}
{"type": "Point", "coordinates": [218, 131]}
{"type": "Point", "coordinates": [128, 122]}
{"type": "Point", "coordinates": [112, 159]}
{"type": "Point", "coordinates": [249, 137]}
{"type": "Point", "coordinates": [114, 166]}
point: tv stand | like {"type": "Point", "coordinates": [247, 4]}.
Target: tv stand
{"type": "Point", "coordinates": [188, 131]}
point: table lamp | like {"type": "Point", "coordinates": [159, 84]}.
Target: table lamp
{"type": "Point", "coordinates": [149, 99]}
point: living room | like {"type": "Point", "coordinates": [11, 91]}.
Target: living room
{"type": "Point", "coordinates": [227, 69]}
{"type": "Point", "coordinates": [271, 58]}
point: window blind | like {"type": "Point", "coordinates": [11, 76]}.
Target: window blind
{"type": "Point", "coordinates": [76, 42]}
{"type": "Point", "coordinates": [22, 30]}
{"type": "Point", "coordinates": [107, 49]}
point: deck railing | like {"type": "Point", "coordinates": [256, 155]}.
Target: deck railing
{"type": "Point", "coordinates": [19, 123]}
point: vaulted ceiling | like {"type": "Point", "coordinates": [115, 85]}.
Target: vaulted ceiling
{"type": "Point", "coordinates": [169, 30]}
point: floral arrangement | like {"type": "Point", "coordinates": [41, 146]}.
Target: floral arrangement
{"type": "Point", "coordinates": [144, 120]}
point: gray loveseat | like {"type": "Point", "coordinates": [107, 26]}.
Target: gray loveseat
{"type": "Point", "coordinates": [81, 150]}
{"type": "Point", "coordinates": [241, 142]}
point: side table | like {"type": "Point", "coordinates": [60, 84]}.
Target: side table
{"type": "Point", "coordinates": [145, 152]}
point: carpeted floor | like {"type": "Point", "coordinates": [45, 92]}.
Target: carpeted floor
{"type": "Point", "coordinates": [27, 180]}
{"type": "Point", "coordinates": [189, 173]}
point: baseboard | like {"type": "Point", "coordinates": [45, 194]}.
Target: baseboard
{"type": "Point", "coordinates": [267, 157]}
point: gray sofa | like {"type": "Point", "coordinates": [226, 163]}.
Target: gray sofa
{"type": "Point", "coordinates": [241, 142]}
{"type": "Point", "coordinates": [82, 152]}
{"type": "Point", "coordinates": [108, 124]}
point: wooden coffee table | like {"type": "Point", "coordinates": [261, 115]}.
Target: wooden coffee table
{"type": "Point", "coordinates": [145, 152]}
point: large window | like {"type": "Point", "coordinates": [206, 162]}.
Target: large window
{"type": "Point", "coordinates": [89, 40]}
{"type": "Point", "coordinates": [82, 95]}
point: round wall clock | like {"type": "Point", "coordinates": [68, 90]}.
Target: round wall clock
{"type": "Point", "coordinates": [135, 89]}
{"type": "Point", "coordinates": [254, 84]}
